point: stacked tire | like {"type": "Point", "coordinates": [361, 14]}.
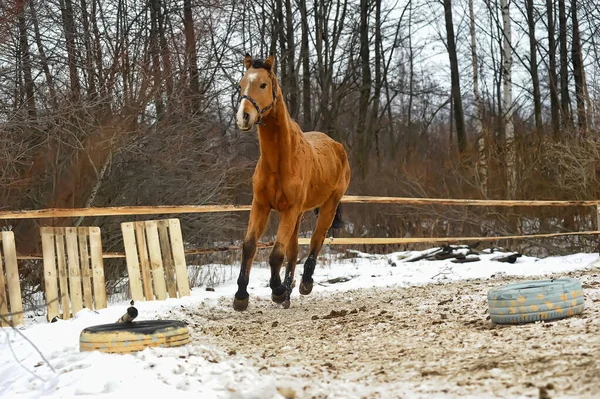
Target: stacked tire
{"type": "Point", "coordinates": [530, 301]}
{"type": "Point", "coordinates": [134, 336]}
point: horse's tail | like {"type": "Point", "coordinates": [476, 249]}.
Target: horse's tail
{"type": "Point", "coordinates": [338, 222]}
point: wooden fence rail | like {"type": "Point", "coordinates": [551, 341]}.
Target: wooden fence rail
{"type": "Point", "coordinates": [353, 199]}
{"type": "Point", "coordinates": [178, 209]}
{"type": "Point", "coordinates": [363, 241]}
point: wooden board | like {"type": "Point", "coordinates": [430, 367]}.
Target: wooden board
{"type": "Point", "coordinates": [4, 321]}
{"type": "Point", "coordinates": [140, 237]}
{"type": "Point", "coordinates": [84, 263]}
{"type": "Point", "coordinates": [50, 275]}
{"type": "Point", "coordinates": [167, 255]}
{"type": "Point", "coordinates": [392, 240]}
{"type": "Point", "coordinates": [364, 199]}
{"type": "Point", "coordinates": [353, 199]}
{"type": "Point", "coordinates": [63, 281]}
{"type": "Point", "coordinates": [181, 275]}
{"type": "Point", "coordinates": [97, 268]}
{"type": "Point", "coordinates": [133, 265]}
{"type": "Point", "coordinates": [74, 270]}
{"type": "Point", "coordinates": [597, 217]}
{"type": "Point", "coordinates": [156, 263]}
{"type": "Point", "coordinates": [13, 282]}
{"type": "Point", "coordinates": [122, 210]}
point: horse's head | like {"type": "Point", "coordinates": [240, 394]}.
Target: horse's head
{"type": "Point", "coordinates": [258, 92]}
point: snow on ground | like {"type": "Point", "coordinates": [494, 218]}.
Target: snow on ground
{"type": "Point", "coordinates": [198, 369]}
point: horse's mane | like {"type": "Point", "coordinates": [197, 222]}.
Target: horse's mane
{"type": "Point", "coordinates": [258, 63]}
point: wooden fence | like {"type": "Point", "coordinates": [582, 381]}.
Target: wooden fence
{"type": "Point", "coordinates": [179, 209]}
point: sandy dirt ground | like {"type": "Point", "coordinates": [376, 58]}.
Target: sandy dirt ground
{"type": "Point", "coordinates": [429, 341]}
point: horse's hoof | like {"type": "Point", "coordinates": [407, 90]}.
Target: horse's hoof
{"type": "Point", "coordinates": [240, 304]}
{"type": "Point", "coordinates": [278, 298]}
{"type": "Point", "coordinates": [305, 288]}
{"type": "Point", "coordinates": [286, 304]}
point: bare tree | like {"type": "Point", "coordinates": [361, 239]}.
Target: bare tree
{"type": "Point", "coordinates": [459, 116]}
{"type": "Point", "coordinates": [533, 67]}
{"type": "Point", "coordinates": [42, 54]}
{"type": "Point", "coordinates": [154, 53]}
{"type": "Point", "coordinates": [374, 118]}
{"type": "Point", "coordinates": [509, 129]}
{"type": "Point", "coordinates": [554, 100]}
{"type": "Point", "coordinates": [304, 54]}
{"type": "Point", "coordinates": [482, 139]}
{"type": "Point", "coordinates": [66, 8]}
{"type": "Point", "coordinates": [564, 77]}
{"type": "Point", "coordinates": [192, 55]}
{"type": "Point", "coordinates": [578, 71]}
{"type": "Point", "coordinates": [89, 56]}
{"type": "Point", "coordinates": [26, 65]}
{"type": "Point", "coordinates": [293, 105]}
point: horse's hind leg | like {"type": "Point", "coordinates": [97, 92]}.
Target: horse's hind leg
{"type": "Point", "coordinates": [291, 253]}
{"type": "Point", "coordinates": [326, 216]}
{"type": "Point", "coordinates": [259, 215]}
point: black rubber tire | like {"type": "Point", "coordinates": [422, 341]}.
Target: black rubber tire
{"type": "Point", "coordinates": [135, 336]}
{"type": "Point", "coordinates": [531, 301]}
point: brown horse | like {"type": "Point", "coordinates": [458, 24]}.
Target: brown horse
{"type": "Point", "coordinates": [296, 172]}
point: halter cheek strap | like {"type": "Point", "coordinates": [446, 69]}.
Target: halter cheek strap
{"type": "Point", "coordinates": [265, 109]}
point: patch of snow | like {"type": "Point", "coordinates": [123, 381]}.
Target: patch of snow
{"type": "Point", "coordinates": [197, 370]}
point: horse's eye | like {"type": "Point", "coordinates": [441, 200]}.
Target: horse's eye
{"type": "Point", "coordinates": [264, 85]}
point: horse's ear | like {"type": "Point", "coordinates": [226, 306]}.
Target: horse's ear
{"type": "Point", "coordinates": [248, 61]}
{"type": "Point", "coordinates": [270, 61]}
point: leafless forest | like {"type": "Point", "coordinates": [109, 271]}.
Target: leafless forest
{"type": "Point", "coordinates": [121, 102]}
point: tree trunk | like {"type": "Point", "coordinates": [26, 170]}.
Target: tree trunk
{"type": "Point", "coordinates": [365, 89]}
{"type": "Point", "coordinates": [66, 9]}
{"type": "Point", "coordinates": [87, 41]}
{"type": "Point", "coordinates": [564, 78]}
{"type": "Point", "coordinates": [291, 61]}
{"type": "Point", "coordinates": [578, 71]}
{"type": "Point", "coordinates": [321, 67]}
{"type": "Point", "coordinates": [455, 79]}
{"type": "Point", "coordinates": [511, 159]}
{"type": "Point", "coordinates": [192, 55]}
{"type": "Point", "coordinates": [533, 67]}
{"type": "Point", "coordinates": [304, 53]}
{"type": "Point", "coordinates": [554, 100]}
{"type": "Point", "coordinates": [167, 72]}
{"type": "Point", "coordinates": [155, 55]}
{"type": "Point", "coordinates": [42, 53]}
{"type": "Point", "coordinates": [411, 72]}
{"type": "Point", "coordinates": [26, 65]}
{"type": "Point", "coordinates": [98, 59]}
{"type": "Point", "coordinates": [374, 124]}
{"type": "Point", "coordinates": [280, 35]}
{"type": "Point", "coordinates": [482, 167]}
{"type": "Point", "coordinates": [274, 33]}
{"type": "Point", "coordinates": [326, 43]}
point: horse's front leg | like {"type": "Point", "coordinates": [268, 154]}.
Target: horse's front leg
{"type": "Point", "coordinates": [285, 232]}
{"type": "Point", "coordinates": [259, 215]}
{"type": "Point", "coordinates": [291, 254]}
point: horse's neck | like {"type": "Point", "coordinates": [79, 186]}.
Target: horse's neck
{"type": "Point", "coordinates": [277, 137]}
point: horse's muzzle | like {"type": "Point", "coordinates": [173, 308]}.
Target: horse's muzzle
{"type": "Point", "coordinates": [246, 117]}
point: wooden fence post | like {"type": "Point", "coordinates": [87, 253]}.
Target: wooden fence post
{"type": "Point", "coordinates": [13, 285]}
{"type": "Point", "coordinates": [598, 226]}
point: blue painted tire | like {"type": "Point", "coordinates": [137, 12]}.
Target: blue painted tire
{"type": "Point", "coordinates": [531, 301]}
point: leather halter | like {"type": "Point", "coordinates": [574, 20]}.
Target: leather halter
{"type": "Point", "coordinates": [265, 109]}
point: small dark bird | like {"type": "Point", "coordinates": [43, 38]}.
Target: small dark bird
{"type": "Point", "coordinates": [131, 314]}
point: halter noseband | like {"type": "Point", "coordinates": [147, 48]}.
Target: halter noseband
{"type": "Point", "coordinates": [265, 109]}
